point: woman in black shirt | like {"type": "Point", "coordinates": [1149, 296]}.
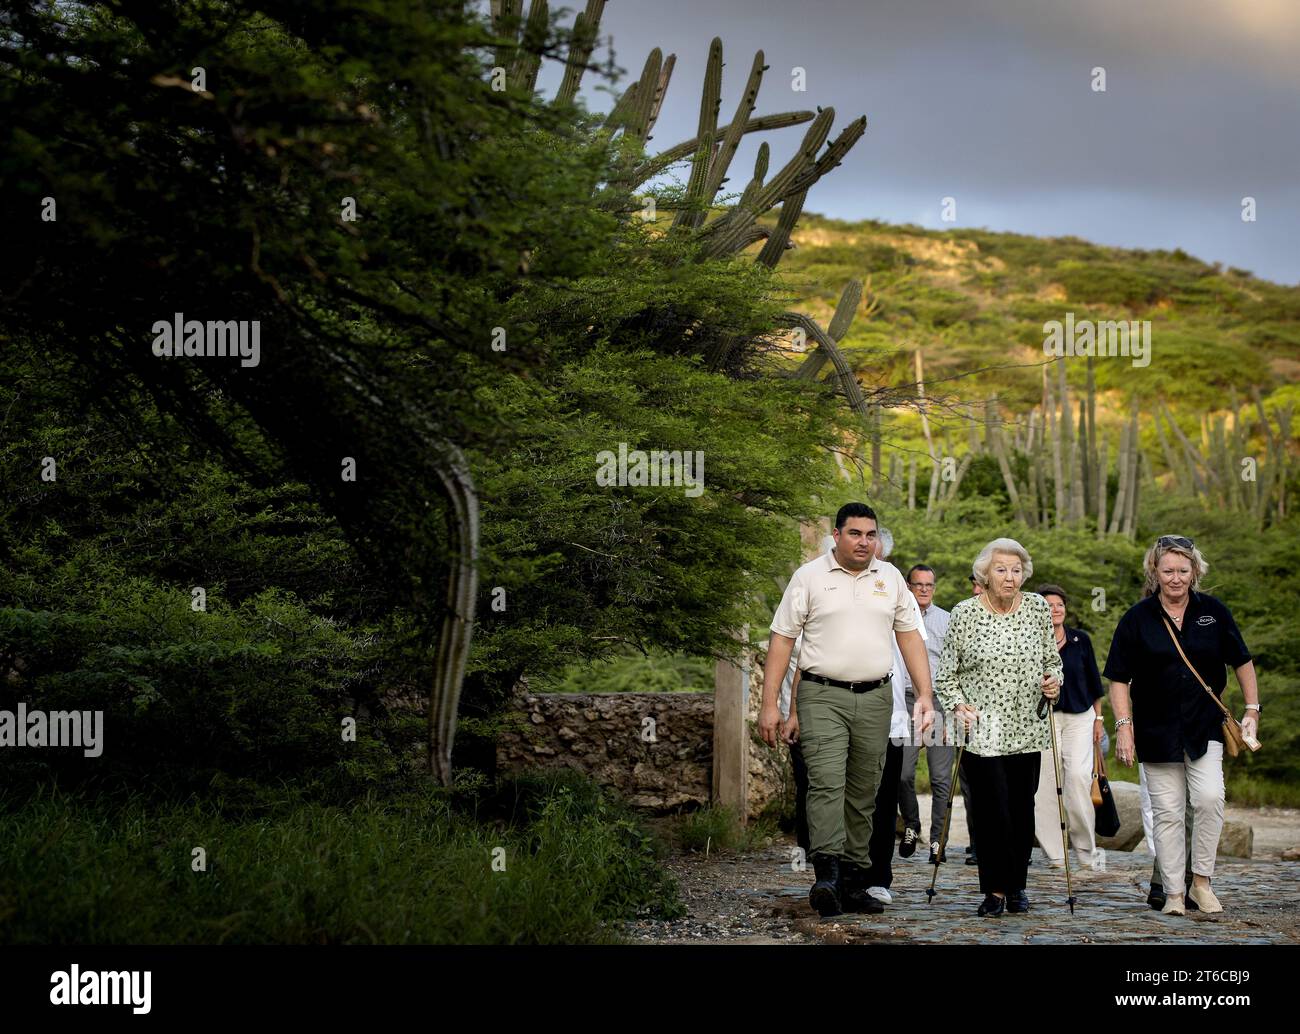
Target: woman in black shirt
{"type": "Point", "coordinates": [1078, 729]}
{"type": "Point", "coordinates": [1164, 716]}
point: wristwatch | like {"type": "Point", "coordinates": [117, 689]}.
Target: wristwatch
{"type": "Point", "coordinates": [1254, 707]}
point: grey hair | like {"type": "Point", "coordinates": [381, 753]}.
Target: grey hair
{"type": "Point", "coordinates": [1152, 561]}
{"type": "Point", "coordinates": [980, 569]}
{"type": "Point", "coordinates": [886, 542]}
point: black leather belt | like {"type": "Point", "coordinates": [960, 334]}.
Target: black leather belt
{"type": "Point", "coordinates": [856, 687]}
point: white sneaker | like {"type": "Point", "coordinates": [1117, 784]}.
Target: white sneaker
{"type": "Point", "coordinates": [880, 894]}
{"type": "Point", "coordinates": [1205, 899]}
{"type": "Point", "coordinates": [1083, 864]}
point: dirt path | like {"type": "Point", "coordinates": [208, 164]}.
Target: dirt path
{"type": "Point", "coordinates": [757, 898]}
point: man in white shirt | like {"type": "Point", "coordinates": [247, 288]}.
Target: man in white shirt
{"type": "Point", "coordinates": [881, 874]}
{"type": "Point", "coordinates": [921, 581]}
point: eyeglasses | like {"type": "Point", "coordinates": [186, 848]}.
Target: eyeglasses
{"type": "Point", "coordinates": [1177, 541]}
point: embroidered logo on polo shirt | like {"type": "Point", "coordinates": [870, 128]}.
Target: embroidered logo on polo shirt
{"type": "Point", "coordinates": [1205, 619]}
{"type": "Point", "coordinates": [880, 585]}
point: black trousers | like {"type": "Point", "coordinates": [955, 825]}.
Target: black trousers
{"type": "Point", "coordinates": [970, 808]}
{"type": "Point", "coordinates": [1004, 812]}
{"type": "Point", "coordinates": [801, 797]}
{"type": "Point", "coordinates": [883, 835]}
{"type": "Point", "coordinates": [881, 872]}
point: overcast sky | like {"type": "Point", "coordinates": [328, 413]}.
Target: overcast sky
{"type": "Point", "coordinates": [991, 102]}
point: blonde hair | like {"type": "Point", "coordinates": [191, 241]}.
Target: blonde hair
{"type": "Point", "coordinates": [1157, 553]}
{"type": "Point", "coordinates": [980, 569]}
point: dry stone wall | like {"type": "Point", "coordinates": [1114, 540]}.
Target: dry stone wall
{"type": "Point", "coordinates": [653, 749]}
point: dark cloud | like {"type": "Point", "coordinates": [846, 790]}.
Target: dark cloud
{"type": "Point", "coordinates": [990, 102]}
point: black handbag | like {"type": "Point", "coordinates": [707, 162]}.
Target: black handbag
{"type": "Point", "coordinates": [1106, 820]}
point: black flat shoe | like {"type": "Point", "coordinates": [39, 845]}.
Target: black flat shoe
{"type": "Point", "coordinates": [1018, 901]}
{"type": "Point", "coordinates": [992, 905]}
{"type": "Point", "coordinates": [971, 859]}
{"type": "Point", "coordinates": [1156, 899]}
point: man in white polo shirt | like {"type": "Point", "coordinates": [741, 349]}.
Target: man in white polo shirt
{"type": "Point", "coordinates": [850, 607]}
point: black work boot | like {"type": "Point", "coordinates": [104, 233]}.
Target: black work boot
{"type": "Point", "coordinates": [825, 893]}
{"type": "Point", "coordinates": [854, 896]}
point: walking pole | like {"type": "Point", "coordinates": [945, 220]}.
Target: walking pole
{"type": "Point", "coordinates": [1060, 798]}
{"type": "Point", "coordinates": [947, 821]}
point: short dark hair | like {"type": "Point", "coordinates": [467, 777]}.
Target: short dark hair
{"type": "Point", "coordinates": [853, 510]}
{"type": "Point", "coordinates": [919, 567]}
{"type": "Point", "coordinates": [1048, 589]}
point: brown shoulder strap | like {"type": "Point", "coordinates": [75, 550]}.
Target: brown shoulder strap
{"type": "Point", "coordinates": [1178, 646]}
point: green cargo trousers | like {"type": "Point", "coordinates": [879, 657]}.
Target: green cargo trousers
{"type": "Point", "coordinates": [843, 736]}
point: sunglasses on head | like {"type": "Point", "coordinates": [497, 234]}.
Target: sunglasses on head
{"type": "Point", "coordinates": [1176, 541]}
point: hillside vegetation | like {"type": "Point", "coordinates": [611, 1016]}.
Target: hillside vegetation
{"type": "Point", "coordinates": [975, 302]}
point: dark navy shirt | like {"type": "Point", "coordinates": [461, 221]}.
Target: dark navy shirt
{"type": "Point", "coordinates": [1172, 714]}
{"type": "Point", "coordinates": [1082, 683]}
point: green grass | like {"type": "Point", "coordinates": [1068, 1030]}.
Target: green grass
{"type": "Point", "coordinates": [417, 868]}
{"type": "Point", "coordinates": [715, 830]}
{"type": "Point", "coordinates": [1253, 793]}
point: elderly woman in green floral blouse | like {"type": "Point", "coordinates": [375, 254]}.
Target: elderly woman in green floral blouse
{"type": "Point", "coordinates": [999, 658]}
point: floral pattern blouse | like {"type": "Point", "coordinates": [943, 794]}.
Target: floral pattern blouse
{"type": "Point", "coordinates": [996, 663]}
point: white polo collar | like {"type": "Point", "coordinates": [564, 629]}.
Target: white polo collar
{"type": "Point", "coordinates": [832, 564]}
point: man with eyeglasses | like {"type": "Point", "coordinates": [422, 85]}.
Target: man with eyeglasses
{"type": "Point", "coordinates": [921, 580]}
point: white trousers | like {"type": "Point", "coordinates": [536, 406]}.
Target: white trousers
{"type": "Point", "coordinates": [1144, 798]}
{"type": "Point", "coordinates": [1171, 785]}
{"type": "Point", "coordinates": [1074, 737]}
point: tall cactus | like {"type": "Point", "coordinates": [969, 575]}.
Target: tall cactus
{"type": "Point", "coordinates": [584, 41]}
{"type": "Point", "coordinates": [528, 58]}
{"type": "Point", "coordinates": [1054, 436]}
{"type": "Point", "coordinates": [1100, 497]}
{"type": "Point", "coordinates": [1000, 454]}
{"type": "Point", "coordinates": [1121, 486]}
{"type": "Point", "coordinates": [724, 234]}
{"type": "Point", "coordinates": [779, 239]}
{"type": "Point", "coordinates": [736, 127]}
{"type": "Point", "coordinates": [693, 209]}
{"type": "Point", "coordinates": [1090, 438]}
{"type": "Point", "coordinates": [1078, 469]}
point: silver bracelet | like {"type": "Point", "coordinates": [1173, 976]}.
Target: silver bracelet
{"type": "Point", "coordinates": [1122, 721]}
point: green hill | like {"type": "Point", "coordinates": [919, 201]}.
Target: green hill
{"type": "Point", "coordinates": [975, 303]}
